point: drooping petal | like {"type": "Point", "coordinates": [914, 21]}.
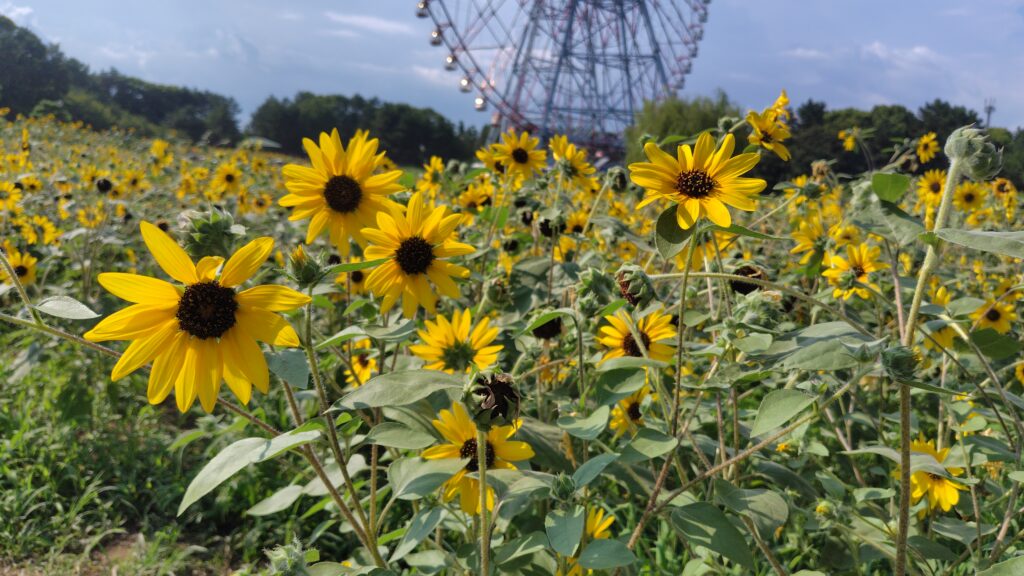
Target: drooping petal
{"type": "Point", "coordinates": [267, 327]}
{"type": "Point", "coordinates": [246, 261]}
{"type": "Point", "coordinates": [171, 257]}
{"type": "Point", "coordinates": [143, 350]}
{"type": "Point", "coordinates": [140, 289]}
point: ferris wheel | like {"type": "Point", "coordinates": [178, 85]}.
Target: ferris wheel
{"type": "Point", "coordinates": [578, 67]}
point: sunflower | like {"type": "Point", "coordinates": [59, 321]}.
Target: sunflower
{"type": "Point", "coordinates": [849, 138]}
{"type": "Point", "coordinates": [226, 179]}
{"type": "Point", "coordinates": [653, 329]}
{"type": "Point", "coordinates": [456, 345]}
{"type": "Point", "coordinates": [576, 223]}
{"type": "Point", "coordinates": [571, 163]}
{"type": "Point", "coordinates": [994, 314]}
{"type": "Point", "coordinates": [927, 147]}
{"type": "Point", "coordinates": [488, 155]}
{"type": "Point", "coordinates": [702, 182]}
{"type": "Point", "coordinates": [930, 187]}
{"type": "Point", "coordinates": [1002, 188]}
{"type": "Point", "coordinates": [10, 198]}
{"type": "Point", "coordinates": [768, 132]}
{"type": "Point", "coordinates": [519, 154]}
{"type": "Point", "coordinates": [810, 238]}
{"type": "Point", "coordinates": [414, 245]}
{"type": "Point", "coordinates": [340, 192]}
{"type": "Point", "coordinates": [354, 281]}
{"type": "Point", "coordinates": [430, 182]}
{"type": "Point", "coordinates": [23, 263]}
{"type": "Point", "coordinates": [844, 234]}
{"type": "Point", "coordinates": [969, 196]}
{"type": "Point", "coordinates": [461, 435]}
{"type": "Point", "coordinates": [852, 275]}
{"type": "Point", "coordinates": [362, 364]}
{"type": "Point", "coordinates": [203, 332]}
{"type": "Point", "coordinates": [940, 491]}
{"type": "Point", "coordinates": [627, 415]}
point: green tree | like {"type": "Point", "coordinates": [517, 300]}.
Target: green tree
{"type": "Point", "coordinates": [682, 116]}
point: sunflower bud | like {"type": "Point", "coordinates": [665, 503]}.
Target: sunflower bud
{"type": "Point", "coordinates": [562, 487]}
{"type": "Point", "coordinates": [971, 145]}
{"type": "Point", "coordinates": [496, 400]}
{"type": "Point", "coordinates": [900, 363]}
{"type": "Point", "coordinates": [595, 291]}
{"type": "Point", "coordinates": [635, 285]}
{"type": "Point", "coordinates": [212, 234]}
{"type": "Point", "coordinates": [306, 271]}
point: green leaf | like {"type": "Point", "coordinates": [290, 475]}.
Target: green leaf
{"type": "Point", "coordinates": [629, 362]}
{"type": "Point", "coordinates": [391, 333]}
{"type": "Point", "coordinates": [1016, 476]}
{"type": "Point", "coordinates": [547, 317]}
{"type": "Point", "coordinates": [765, 508]}
{"type": "Point", "coordinates": [276, 502]}
{"type": "Point", "coordinates": [1011, 567]}
{"type": "Point", "coordinates": [413, 478]}
{"type": "Point", "coordinates": [741, 231]}
{"type": "Point", "coordinates": [398, 435]}
{"type": "Point", "coordinates": [342, 337]}
{"type": "Point", "coordinates": [591, 469]}
{"type": "Point", "coordinates": [648, 443]}
{"type": "Point", "coordinates": [995, 345]}
{"type": "Point", "coordinates": [353, 266]}
{"type": "Point", "coordinates": [1002, 243]}
{"type": "Point", "coordinates": [605, 554]}
{"type": "Point", "coordinates": [963, 532]}
{"type": "Point", "coordinates": [530, 544]}
{"type": "Point", "coordinates": [890, 187]}
{"type": "Point", "coordinates": [777, 408]}
{"type": "Point", "coordinates": [399, 389]}
{"type": "Point", "coordinates": [290, 365]}
{"type": "Point", "coordinates": [421, 526]}
{"type": "Point", "coordinates": [587, 428]}
{"type": "Point", "coordinates": [564, 529]}
{"type": "Point", "coordinates": [705, 525]}
{"type": "Point", "coordinates": [862, 494]}
{"type": "Point", "coordinates": [669, 238]}
{"type": "Point", "coordinates": [65, 307]}
{"type": "Point", "coordinates": [237, 456]}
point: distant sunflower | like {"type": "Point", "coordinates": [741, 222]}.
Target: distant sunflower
{"type": "Point", "coordinates": [23, 263]}
{"type": "Point", "coordinates": [202, 333]}
{"type": "Point", "coordinates": [810, 238]}
{"type": "Point", "coordinates": [488, 156]}
{"type": "Point", "coordinates": [702, 181]}
{"type": "Point", "coordinates": [519, 153]}
{"type": "Point", "coordinates": [339, 192]}
{"type": "Point", "coordinates": [995, 314]}
{"type": "Point", "coordinates": [415, 245]}
{"type": "Point", "coordinates": [461, 435]}
{"type": "Point", "coordinates": [596, 528]}
{"type": "Point", "coordinates": [363, 365]}
{"type": "Point", "coordinates": [653, 329]}
{"type": "Point", "coordinates": [10, 198]}
{"type": "Point", "coordinates": [969, 196]}
{"type": "Point", "coordinates": [1002, 187]}
{"type": "Point", "coordinates": [627, 415]}
{"type": "Point", "coordinates": [940, 491]}
{"type": "Point", "coordinates": [852, 275]}
{"type": "Point", "coordinates": [768, 132]}
{"type": "Point", "coordinates": [457, 345]}
{"type": "Point", "coordinates": [354, 281]}
{"type": "Point", "coordinates": [430, 182]}
{"type": "Point", "coordinates": [576, 223]}
{"type": "Point", "coordinates": [930, 187]}
{"type": "Point", "coordinates": [571, 163]}
{"type": "Point", "coordinates": [850, 138]}
{"type": "Point", "coordinates": [927, 147]}
{"type": "Point", "coordinates": [226, 179]}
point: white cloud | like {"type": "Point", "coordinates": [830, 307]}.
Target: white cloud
{"type": "Point", "coordinates": [19, 14]}
{"type": "Point", "coordinates": [807, 54]}
{"type": "Point", "coordinates": [127, 54]}
{"type": "Point", "coordinates": [437, 76]}
{"type": "Point", "coordinates": [371, 23]}
{"type": "Point", "coordinates": [904, 58]}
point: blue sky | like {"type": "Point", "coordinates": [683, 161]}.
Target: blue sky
{"type": "Point", "coordinates": [850, 53]}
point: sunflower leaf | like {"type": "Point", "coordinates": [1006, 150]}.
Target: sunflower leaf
{"type": "Point", "coordinates": [564, 529]}
{"type": "Point", "coordinates": [777, 408]}
{"type": "Point", "coordinates": [890, 187]}
{"type": "Point", "coordinates": [669, 238]}
{"type": "Point", "coordinates": [399, 389]}
{"type": "Point", "coordinates": [1002, 243]}
{"type": "Point", "coordinates": [605, 554]}
{"type": "Point", "coordinates": [353, 266]}
{"type": "Point", "coordinates": [705, 525]}
{"type": "Point", "coordinates": [65, 307]}
{"type": "Point", "coordinates": [588, 427]}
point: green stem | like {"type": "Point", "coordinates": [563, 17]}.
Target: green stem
{"type": "Point", "coordinates": [485, 527]}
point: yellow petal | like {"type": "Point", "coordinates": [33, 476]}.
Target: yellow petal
{"type": "Point", "coordinates": [130, 323]}
{"type": "Point", "coordinates": [140, 289]}
{"type": "Point", "coordinates": [273, 298]}
{"type": "Point", "coordinates": [206, 269]}
{"type": "Point", "coordinates": [174, 261]}
{"type": "Point", "coordinates": [143, 350]}
{"type": "Point", "coordinates": [267, 327]}
{"type": "Point", "coordinates": [244, 263]}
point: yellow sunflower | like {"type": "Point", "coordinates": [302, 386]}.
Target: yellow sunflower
{"type": "Point", "coordinates": [809, 237]}
{"type": "Point", "coordinates": [415, 245]}
{"type": "Point", "coordinates": [354, 281]}
{"type": "Point", "coordinates": [571, 163]}
{"type": "Point", "coordinates": [461, 434]}
{"type": "Point", "coordinates": [969, 196]}
{"type": "Point", "coordinates": [930, 187]}
{"type": "Point", "coordinates": [995, 314]}
{"type": "Point", "coordinates": [202, 333]}
{"type": "Point", "coordinates": [852, 275]}
{"type": "Point", "coordinates": [226, 179]}
{"type": "Point", "coordinates": [927, 147]}
{"type": "Point", "coordinates": [430, 182]}
{"type": "Point", "coordinates": [768, 132]}
{"type": "Point", "coordinates": [23, 263]}
{"type": "Point", "coordinates": [10, 198]}
{"type": "Point", "coordinates": [844, 234]}
{"type": "Point", "coordinates": [620, 334]}
{"type": "Point", "coordinates": [519, 154]}
{"type": "Point", "coordinates": [941, 492]}
{"type": "Point", "coordinates": [849, 138]}
{"type": "Point", "coordinates": [340, 192]}
{"type": "Point", "coordinates": [363, 365]}
{"type": "Point", "coordinates": [702, 181]}
{"type": "Point", "coordinates": [456, 345]}
{"type": "Point", "coordinates": [627, 415]}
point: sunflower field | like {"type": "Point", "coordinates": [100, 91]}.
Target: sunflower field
{"type": "Point", "coordinates": [230, 361]}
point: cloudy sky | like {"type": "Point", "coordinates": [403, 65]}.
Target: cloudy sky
{"type": "Point", "coordinates": [849, 53]}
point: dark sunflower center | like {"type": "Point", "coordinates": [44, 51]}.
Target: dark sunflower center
{"type": "Point", "coordinates": [935, 187]}
{"type": "Point", "coordinates": [414, 255]}
{"type": "Point", "coordinates": [229, 178]}
{"type": "Point", "coordinates": [468, 450]}
{"type": "Point", "coordinates": [363, 360]}
{"type": "Point", "coordinates": [577, 228]}
{"type": "Point", "coordinates": [20, 270]}
{"type": "Point", "coordinates": [260, 203]}
{"type": "Point", "coordinates": [458, 356]}
{"type": "Point", "coordinates": [766, 138]}
{"type": "Point", "coordinates": [630, 347]}
{"type": "Point", "coordinates": [207, 310]}
{"type": "Point", "coordinates": [520, 156]}
{"type": "Point", "coordinates": [343, 194]}
{"type": "Point", "coordinates": [356, 277]}
{"type": "Point", "coordinates": [858, 271]}
{"type": "Point", "coordinates": [633, 411]}
{"type": "Point", "coordinates": [695, 184]}
{"type": "Point", "coordinates": [993, 315]}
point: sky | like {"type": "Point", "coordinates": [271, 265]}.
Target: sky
{"type": "Point", "coordinates": [845, 53]}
